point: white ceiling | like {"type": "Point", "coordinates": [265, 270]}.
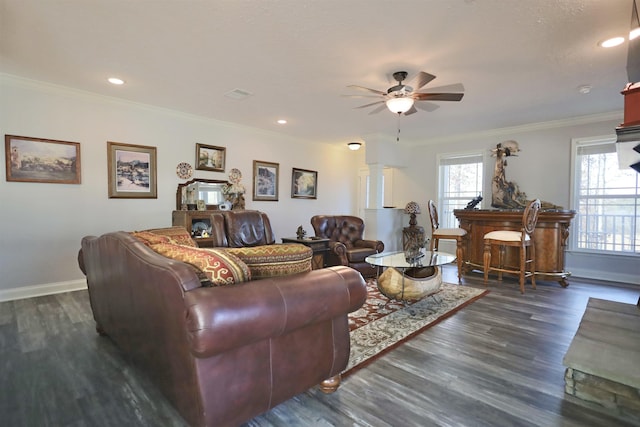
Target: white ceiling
{"type": "Point", "coordinates": [520, 61]}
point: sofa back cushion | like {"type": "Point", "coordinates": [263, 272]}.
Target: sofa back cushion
{"type": "Point", "coordinates": [219, 266]}
{"type": "Point", "coordinates": [247, 228]}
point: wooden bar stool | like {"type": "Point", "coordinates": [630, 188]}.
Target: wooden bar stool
{"type": "Point", "coordinates": [437, 234]}
{"type": "Point", "coordinates": [520, 239]}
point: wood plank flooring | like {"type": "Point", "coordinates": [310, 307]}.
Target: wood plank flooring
{"type": "Point", "coordinates": [497, 362]}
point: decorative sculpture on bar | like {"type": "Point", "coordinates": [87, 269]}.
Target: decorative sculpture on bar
{"type": "Point", "coordinates": [505, 194]}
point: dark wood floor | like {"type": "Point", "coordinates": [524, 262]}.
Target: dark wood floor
{"type": "Point", "coordinates": [498, 362]}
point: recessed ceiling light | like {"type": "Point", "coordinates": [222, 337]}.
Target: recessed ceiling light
{"type": "Point", "coordinates": [115, 81]}
{"type": "Point", "coordinates": [584, 89]}
{"type": "Point", "coordinates": [282, 122]}
{"type": "Point", "coordinates": [614, 41]}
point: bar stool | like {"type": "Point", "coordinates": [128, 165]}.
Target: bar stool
{"type": "Point", "coordinates": [437, 234]}
{"type": "Point", "coordinates": [520, 239]}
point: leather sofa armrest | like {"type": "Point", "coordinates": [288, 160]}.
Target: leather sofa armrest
{"type": "Point", "coordinates": [340, 250]}
{"type": "Point", "coordinates": [223, 318]}
{"type": "Point", "coordinates": [373, 244]}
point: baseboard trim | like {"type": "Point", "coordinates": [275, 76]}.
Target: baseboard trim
{"type": "Point", "coordinates": [610, 276]}
{"type": "Point", "coordinates": [41, 290]}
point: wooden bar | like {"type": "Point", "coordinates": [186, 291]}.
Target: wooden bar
{"type": "Point", "coordinates": [550, 238]}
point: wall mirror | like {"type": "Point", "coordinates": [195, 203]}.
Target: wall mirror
{"type": "Point", "coordinates": [208, 190]}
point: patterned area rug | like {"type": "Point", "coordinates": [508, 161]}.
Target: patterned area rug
{"type": "Point", "coordinates": [382, 324]}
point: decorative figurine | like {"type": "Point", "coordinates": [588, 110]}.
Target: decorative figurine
{"type": "Point", "coordinates": [473, 203]}
{"type": "Point", "coordinates": [300, 233]}
{"type": "Point", "coordinates": [234, 192]}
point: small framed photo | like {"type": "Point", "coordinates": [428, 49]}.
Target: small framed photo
{"type": "Point", "coordinates": [41, 160]}
{"type": "Point", "coordinates": [304, 184]}
{"type": "Point", "coordinates": [265, 180]}
{"type": "Point", "coordinates": [132, 171]}
{"type": "Point", "coordinates": [210, 158]}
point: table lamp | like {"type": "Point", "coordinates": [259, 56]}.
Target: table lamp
{"type": "Point", "coordinates": [412, 209]}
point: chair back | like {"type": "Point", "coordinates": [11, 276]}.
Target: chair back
{"type": "Point", "coordinates": [433, 214]}
{"type": "Point", "coordinates": [530, 216]}
{"type": "Point", "coordinates": [339, 228]}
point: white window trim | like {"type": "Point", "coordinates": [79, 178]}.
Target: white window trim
{"type": "Point", "coordinates": [575, 142]}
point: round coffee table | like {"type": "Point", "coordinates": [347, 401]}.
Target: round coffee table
{"type": "Point", "coordinates": [410, 279]}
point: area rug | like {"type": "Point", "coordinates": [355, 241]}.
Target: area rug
{"type": "Point", "coordinates": [382, 324]}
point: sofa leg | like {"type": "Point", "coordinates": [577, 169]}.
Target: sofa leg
{"type": "Point", "coordinates": [330, 384]}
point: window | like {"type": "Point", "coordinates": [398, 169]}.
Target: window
{"type": "Point", "coordinates": [606, 198]}
{"type": "Point", "coordinates": [459, 181]}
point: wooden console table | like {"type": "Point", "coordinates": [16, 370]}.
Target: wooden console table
{"type": "Point", "coordinates": [550, 238]}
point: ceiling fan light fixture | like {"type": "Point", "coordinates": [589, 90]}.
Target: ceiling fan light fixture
{"type": "Point", "coordinates": [400, 104]}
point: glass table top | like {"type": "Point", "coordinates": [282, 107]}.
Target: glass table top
{"type": "Point", "coordinates": [397, 259]}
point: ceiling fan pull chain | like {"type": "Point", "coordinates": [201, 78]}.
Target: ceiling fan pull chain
{"type": "Point", "coordinates": [398, 135]}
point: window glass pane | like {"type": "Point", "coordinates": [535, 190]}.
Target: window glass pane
{"type": "Point", "coordinates": [607, 200]}
{"type": "Point", "coordinates": [460, 181]}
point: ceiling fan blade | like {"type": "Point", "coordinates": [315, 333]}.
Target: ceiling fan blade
{"type": "Point", "coordinates": [455, 87]}
{"type": "Point", "coordinates": [367, 89]}
{"type": "Point", "coordinates": [411, 110]}
{"type": "Point", "coordinates": [427, 106]}
{"type": "Point", "coordinates": [438, 96]}
{"type": "Point", "coordinates": [369, 105]}
{"type": "Point", "coordinates": [360, 96]}
{"type": "Point", "coordinates": [420, 80]}
{"type": "Point", "coordinates": [378, 109]}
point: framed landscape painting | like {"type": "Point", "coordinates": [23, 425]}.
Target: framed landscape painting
{"type": "Point", "coordinates": [210, 158]}
{"type": "Point", "coordinates": [41, 160]}
{"type": "Point", "coordinates": [132, 171]}
{"type": "Point", "coordinates": [265, 180]}
{"type": "Point", "coordinates": [304, 184]}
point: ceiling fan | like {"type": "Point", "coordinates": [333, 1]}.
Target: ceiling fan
{"type": "Point", "coordinates": [401, 98]}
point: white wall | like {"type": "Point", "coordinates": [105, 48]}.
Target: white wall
{"type": "Point", "coordinates": [541, 169]}
{"type": "Point", "coordinates": [41, 225]}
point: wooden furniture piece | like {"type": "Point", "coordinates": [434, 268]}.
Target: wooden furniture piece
{"type": "Point", "coordinates": [521, 240]}
{"type": "Point", "coordinates": [195, 222]}
{"type": "Point", "coordinates": [437, 234]}
{"type": "Point", "coordinates": [550, 237]}
{"type": "Point", "coordinates": [319, 246]}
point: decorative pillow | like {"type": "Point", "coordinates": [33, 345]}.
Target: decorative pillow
{"type": "Point", "coordinates": [177, 235]}
{"type": "Point", "coordinates": [220, 267]}
{"type": "Point", "coordinates": [275, 260]}
{"type": "Point", "coordinates": [149, 238]}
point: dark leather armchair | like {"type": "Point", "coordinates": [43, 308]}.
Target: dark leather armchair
{"type": "Point", "coordinates": [346, 245]}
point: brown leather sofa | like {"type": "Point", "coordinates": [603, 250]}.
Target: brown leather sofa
{"type": "Point", "coordinates": [346, 245]}
{"type": "Point", "coordinates": [221, 355]}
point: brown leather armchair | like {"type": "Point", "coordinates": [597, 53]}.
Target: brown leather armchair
{"type": "Point", "coordinates": [346, 245]}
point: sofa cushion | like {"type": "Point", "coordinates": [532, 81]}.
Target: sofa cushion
{"type": "Point", "coordinates": [220, 267]}
{"type": "Point", "coordinates": [275, 260]}
{"type": "Point", "coordinates": [149, 238]}
{"type": "Point", "coordinates": [177, 235]}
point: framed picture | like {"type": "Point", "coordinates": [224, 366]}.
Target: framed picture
{"type": "Point", "coordinates": [265, 180]}
{"type": "Point", "coordinates": [41, 160]}
{"type": "Point", "coordinates": [304, 184]}
{"type": "Point", "coordinates": [132, 171]}
{"type": "Point", "coordinates": [210, 158]}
